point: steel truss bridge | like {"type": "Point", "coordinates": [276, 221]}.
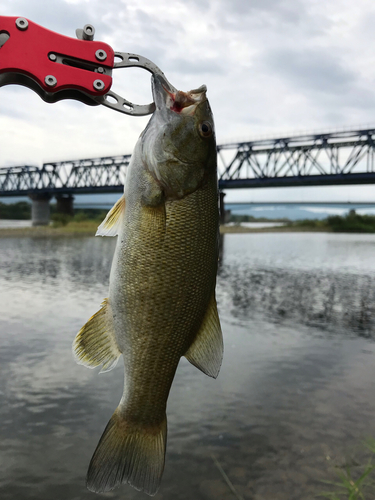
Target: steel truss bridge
{"type": "Point", "coordinates": [336, 158]}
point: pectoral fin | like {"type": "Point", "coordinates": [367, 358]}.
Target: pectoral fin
{"type": "Point", "coordinates": [111, 224]}
{"type": "Point", "coordinates": [95, 344]}
{"type": "Point", "coordinates": [206, 352]}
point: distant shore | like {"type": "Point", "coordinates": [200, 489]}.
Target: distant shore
{"type": "Point", "coordinates": [85, 228]}
{"type": "Point", "coordinates": [274, 229]}
{"type": "Point", "coordinates": [88, 228]}
{"type": "Point", "coordinates": [15, 220]}
{"type": "Point", "coordinates": [80, 225]}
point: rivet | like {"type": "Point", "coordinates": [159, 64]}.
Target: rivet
{"type": "Point", "coordinates": [50, 80]}
{"type": "Point", "coordinates": [22, 23]}
{"type": "Point", "coordinates": [99, 85]}
{"type": "Point", "coordinates": [101, 55]}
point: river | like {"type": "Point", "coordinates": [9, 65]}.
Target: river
{"type": "Point", "coordinates": [295, 397]}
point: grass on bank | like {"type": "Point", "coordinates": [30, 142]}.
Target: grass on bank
{"type": "Point", "coordinates": [86, 221]}
{"type": "Point", "coordinates": [83, 223]}
{"type": "Point", "coordinates": [350, 223]}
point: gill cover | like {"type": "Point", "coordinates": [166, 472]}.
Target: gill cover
{"type": "Point", "coordinates": [178, 145]}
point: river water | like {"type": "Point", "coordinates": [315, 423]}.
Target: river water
{"type": "Point", "coordinates": [294, 400]}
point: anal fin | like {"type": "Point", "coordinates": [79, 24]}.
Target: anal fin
{"type": "Point", "coordinates": [95, 344]}
{"type": "Point", "coordinates": [206, 352]}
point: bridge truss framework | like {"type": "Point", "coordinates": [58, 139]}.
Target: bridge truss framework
{"type": "Point", "coordinates": [345, 157]}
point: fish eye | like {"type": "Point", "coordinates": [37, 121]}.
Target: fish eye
{"type": "Point", "coordinates": [205, 129]}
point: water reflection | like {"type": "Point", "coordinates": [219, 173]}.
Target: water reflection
{"type": "Point", "coordinates": [342, 303]}
{"type": "Point", "coordinates": [290, 392]}
{"type": "Point", "coordinates": [84, 261]}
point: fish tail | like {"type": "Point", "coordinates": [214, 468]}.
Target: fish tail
{"type": "Point", "coordinates": [128, 453]}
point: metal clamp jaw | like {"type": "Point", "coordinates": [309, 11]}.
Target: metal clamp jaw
{"type": "Point", "coordinates": [59, 67]}
{"type": "Point", "coordinates": [118, 103]}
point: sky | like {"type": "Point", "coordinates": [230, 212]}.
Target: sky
{"type": "Point", "coordinates": [271, 67]}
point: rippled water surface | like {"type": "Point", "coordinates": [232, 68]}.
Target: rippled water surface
{"type": "Point", "coordinates": [295, 396]}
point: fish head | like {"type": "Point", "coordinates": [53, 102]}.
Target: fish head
{"type": "Point", "coordinates": [179, 145]}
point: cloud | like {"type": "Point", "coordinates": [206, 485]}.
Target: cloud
{"type": "Point", "coordinates": [289, 11]}
{"type": "Point", "coordinates": [311, 69]}
{"type": "Point", "coordinates": [197, 66]}
{"type": "Point", "coordinates": [270, 20]}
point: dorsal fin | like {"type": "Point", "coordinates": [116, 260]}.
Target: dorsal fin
{"type": "Point", "coordinates": [111, 224]}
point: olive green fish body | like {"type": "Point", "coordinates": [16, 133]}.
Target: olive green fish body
{"type": "Point", "coordinates": [161, 303]}
{"type": "Point", "coordinates": [161, 285]}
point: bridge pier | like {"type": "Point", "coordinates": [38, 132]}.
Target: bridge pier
{"type": "Point", "coordinates": [223, 213]}
{"type": "Point", "coordinates": [64, 204]}
{"type": "Point", "coordinates": [40, 209]}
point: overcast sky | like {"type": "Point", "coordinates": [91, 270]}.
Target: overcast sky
{"type": "Point", "coordinates": [270, 66]}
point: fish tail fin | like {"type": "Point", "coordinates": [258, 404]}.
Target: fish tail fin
{"type": "Point", "coordinates": [128, 453]}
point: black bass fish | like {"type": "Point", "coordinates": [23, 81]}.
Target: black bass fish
{"type": "Point", "coordinates": [161, 303]}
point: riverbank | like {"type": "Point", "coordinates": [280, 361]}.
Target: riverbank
{"type": "Point", "coordinates": [80, 225]}
{"type": "Point", "coordinates": [274, 229]}
{"type": "Point", "coordinates": [84, 228]}
{"type": "Point", "coordinates": [88, 228]}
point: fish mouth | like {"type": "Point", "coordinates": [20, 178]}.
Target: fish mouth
{"type": "Point", "coordinates": [166, 96]}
